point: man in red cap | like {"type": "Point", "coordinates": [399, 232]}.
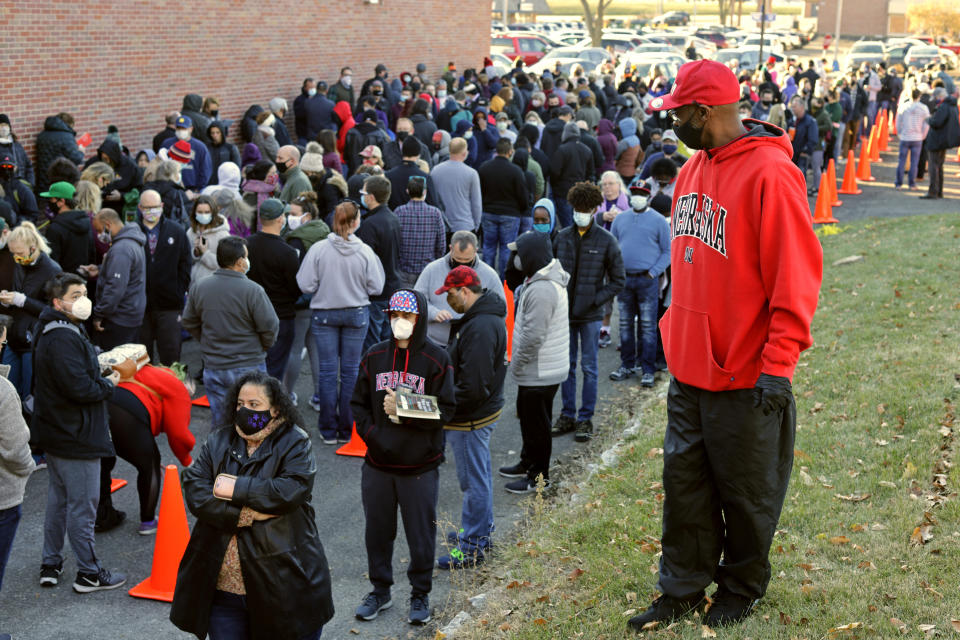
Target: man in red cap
{"type": "Point", "coordinates": [746, 270]}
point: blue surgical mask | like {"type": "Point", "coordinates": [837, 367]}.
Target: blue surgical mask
{"type": "Point", "coordinates": [542, 228]}
{"type": "Point", "coordinates": [669, 149]}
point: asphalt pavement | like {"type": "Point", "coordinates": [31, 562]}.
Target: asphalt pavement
{"type": "Point", "coordinates": [31, 612]}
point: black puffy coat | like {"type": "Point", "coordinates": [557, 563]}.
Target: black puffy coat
{"type": "Point", "coordinates": [572, 162]}
{"type": "Point", "coordinates": [285, 571]}
{"type": "Point", "coordinates": [595, 265]}
{"type": "Point", "coordinates": [55, 141]}
{"type": "Point", "coordinates": [220, 153]}
{"type": "Point", "coordinates": [71, 240]}
{"type": "Point", "coordinates": [477, 351]}
{"type": "Point", "coordinates": [29, 280]}
{"type": "Point", "coordinates": [128, 175]}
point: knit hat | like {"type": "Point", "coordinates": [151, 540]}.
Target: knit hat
{"type": "Point", "coordinates": [410, 147]}
{"type": "Point", "coordinates": [312, 162]}
{"type": "Point", "coordinates": [421, 67]}
{"type": "Point", "coordinates": [181, 152]}
{"type": "Point", "coordinates": [4, 118]}
{"type": "Point", "coordinates": [404, 300]}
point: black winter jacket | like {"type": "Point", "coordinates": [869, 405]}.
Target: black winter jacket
{"type": "Point", "coordinates": [393, 156]}
{"type": "Point", "coordinates": [478, 346]}
{"type": "Point", "coordinates": [944, 126]}
{"type": "Point", "coordinates": [423, 128]}
{"type": "Point", "coordinates": [281, 555]}
{"type": "Point", "coordinates": [173, 196]}
{"type": "Point", "coordinates": [220, 153]}
{"type": "Point", "coordinates": [128, 175]}
{"type": "Point", "coordinates": [358, 138]}
{"type": "Point", "coordinates": [399, 176]}
{"type": "Point", "coordinates": [55, 141]}
{"type": "Point", "coordinates": [168, 267]}
{"type": "Point", "coordinates": [192, 104]}
{"type": "Point", "coordinates": [504, 188]}
{"type": "Point", "coordinates": [550, 136]}
{"type": "Point", "coordinates": [413, 446]}
{"type": "Point", "coordinates": [70, 395]}
{"type": "Point", "coordinates": [380, 230]}
{"type": "Point", "coordinates": [595, 266]}
{"type": "Point", "coordinates": [571, 163]}
{"type": "Point", "coordinates": [29, 280]}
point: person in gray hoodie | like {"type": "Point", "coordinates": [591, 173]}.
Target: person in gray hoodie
{"type": "Point", "coordinates": [541, 355]}
{"type": "Point", "coordinates": [121, 282]}
{"type": "Point", "coordinates": [341, 273]}
{"type": "Point", "coordinates": [16, 464]}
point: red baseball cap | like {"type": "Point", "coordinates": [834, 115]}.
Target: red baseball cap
{"type": "Point", "coordinates": [705, 82]}
{"type": "Point", "coordinates": [462, 276]}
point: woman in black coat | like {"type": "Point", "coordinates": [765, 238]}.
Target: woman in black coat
{"type": "Point", "coordinates": [254, 566]}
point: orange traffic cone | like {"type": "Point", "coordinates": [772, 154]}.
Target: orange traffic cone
{"type": "Point", "coordinates": [356, 447]}
{"type": "Point", "coordinates": [884, 132]}
{"type": "Point", "coordinates": [832, 183]}
{"type": "Point", "coordinates": [874, 144]}
{"type": "Point", "coordinates": [822, 211]}
{"type": "Point", "coordinates": [172, 536]}
{"type": "Point", "coordinates": [202, 401]}
{"type": "Point", "coordinates": [509, 296]}
{"type": "Point", "coordinates": [849, 185]}
{"type": "Point", "coordinates": [863, 168]}
{"type": "Point", "coordinates": [117, 483]}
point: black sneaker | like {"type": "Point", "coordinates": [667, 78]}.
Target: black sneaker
{"type": "Point", "coordinates": [89, 582]}
{"type": "Point", "coordinates": [514, 471]}
{"type": "Point", "coordinates": [728, 608]}
{"type": "Point", "coordinates": [584, 430]}
{"type": "Point", "coordinates": [50, 575]}
{"type": "Point", "coordinates": [112, 520]}
{"type": "Point", "coordinates": [372, 605]}
{"type": "Point", "coordinates": [666, 609]}
{"type": "Point", "coordinates": [622, 374]}
{"type": "Point", "coordinates": [563, 425]}
{"type": "Point", "coordinates": [525, 485]}
{"type": "Point", "coordinates": [419, 609]}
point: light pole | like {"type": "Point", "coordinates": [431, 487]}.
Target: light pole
{"type": "Point", "coordinates": [836, 32]}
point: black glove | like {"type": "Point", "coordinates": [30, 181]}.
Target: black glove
{"type": "Point", "coordinates": [771, 393]}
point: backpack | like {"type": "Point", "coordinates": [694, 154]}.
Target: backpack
{"type": "Point", "coordinates": [375, 138]}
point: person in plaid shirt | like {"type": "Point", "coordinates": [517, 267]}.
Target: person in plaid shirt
{"type": "Point", "coordinates": [422, 232]}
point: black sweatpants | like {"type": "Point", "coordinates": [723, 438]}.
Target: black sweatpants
{"type": "Point", "coordinates": [725, 472]}
{"type": "Point", "coordinates": [535, 409]}
{"type": "Point", "coordinates": [162, 327]}
{"type": "Point", "coordinates": [134, 442]}
{"type": "Point", "coordinates": [416, 495]}
{"type": "Point", "coordinates": [114, 335]}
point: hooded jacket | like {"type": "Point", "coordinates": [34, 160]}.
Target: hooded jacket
{"type": "Point", "coordinates": [305, 236]}
{"type": "Point", "coordinates": [71, 240]}
{"type": "Point", "coordinates": [745, 263]}
{"type": "Point", "coordinates": [128, 175]}
{"type": "Point", "coordinates": [478, 347]}
{"type": "Point", "coordinates": [121, 286]}
{"type": "Point", "coordinates": [14, 448]}
{"type": "Point", "coordinates": [443, 153]}
{"type": "Point", "coordinates": [30, 281]}
{"type": "Point", "coordinates": [460, 131]}
{"type": "Point", "coordinates": [629, 151]}
{"type": "Point", "coordinates": [319, 115]}
{"type": "Point", "coordinates": [195, 175]}
{"type": "Point", "coordinates": [206, 263]}
{"type": "Point", "coordinates": [380, 230]}
{"type": "Point", "coordinates": [192, 106]}
{"type": "Point", "coordinates": [504, 188]}
{"type": "Point", "coordinates": [413, 446]}
{"type": "Point", "coordinates": [572, 162]}
{"type": "Point", "coordinates": [595, 265]}
{"type": "Point", "coordinates": [168, 267]}
{"type": "Point", "coordinates": [340, 274]}
{"type": "Point", "coordinates": [423, 128]}
{"type": "Point", "coordinates": [541, 332]}
{"type": "Point", "coordinates": [944, 126]}
{"type": "Point", "coordinates": [220, 153]}
{"type": "Point", "coordinates": [551, 136]}
{"type": "Point", "coordinates": [56, 139]}
{"type": "Point", "coordinates": [608, 144]}
{"type": "Point", "coordinates": [70, 395]}
{"type": "Point", "coordinates": [344, 114]}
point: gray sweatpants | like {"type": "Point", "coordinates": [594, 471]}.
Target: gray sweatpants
{"type": "Point", "coordinates": [72, 497]}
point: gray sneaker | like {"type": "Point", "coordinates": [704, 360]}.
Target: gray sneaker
{"type": "Point", "coordinates": [622, 374]}
{"type": "Point", "coordinates": [646, 380]}
{"type": "Point", "coordinates": [100, 581]}
{"type": "Point", "coordinates": [372, 605]}
{"type": "Point", "coordinates": [584, 431]}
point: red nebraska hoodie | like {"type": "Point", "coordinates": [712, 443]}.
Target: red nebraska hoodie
{"type": "Point", "coordinates": [746, 265]}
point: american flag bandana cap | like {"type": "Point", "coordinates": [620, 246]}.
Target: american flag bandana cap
{"type": "Point", "coordinates": [404, 301]}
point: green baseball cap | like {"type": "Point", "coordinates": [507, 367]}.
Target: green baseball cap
{"type": "Point", "coordinates": [60, 190]}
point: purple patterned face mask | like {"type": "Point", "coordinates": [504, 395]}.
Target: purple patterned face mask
{"type": "Point", "coordinates": [250, 421]}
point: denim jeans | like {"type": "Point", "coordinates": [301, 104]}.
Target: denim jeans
{"type": "Point", "coordinates": [564, 212]}
{"type": "Point", "coordinates": [379, 324]}
{"type": "Point", "coordinates": [338, 339]}
{"type": "Point", "coordinates": [9, 519]}
{"type": "Point", "coordinates": [526, 224]}
{"type": "Point", "coordinates": [229, 619]}
{"type": "Point", "coordinates": [21, 370]}
{"type": "Point", "coordinates": [301, 339]}
{"type": "Point", "coordinates": [872, 108]}
{"type": "Point", "coordinates": [216, 384]}
{"type": "Point", "coordinates": [583, 336]}
{"type": "Point", "coordinates": [498, 231]}
{"type": "Point", "coordinates": [471, 450]}
{"type": "Point", "coordinates": [638, 300]}
{"type": "Point", "coordinates": [279, 353]}
{"type": "Point", "coordinates": [913, 148]}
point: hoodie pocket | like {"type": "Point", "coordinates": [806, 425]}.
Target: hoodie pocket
{"type": "Point", "coordinates": [689, 349]}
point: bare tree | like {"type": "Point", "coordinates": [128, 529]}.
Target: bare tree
{"type": "Point", "coordinates": [593, 16]}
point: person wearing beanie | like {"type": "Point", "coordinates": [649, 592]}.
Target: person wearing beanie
{"type": "Point", "coordinates": [264, 136]}
{"type": "Point", "coordinates": [399, 176]}
{"type": "Point", "coordinates": [9, 146]}
{"type": "Point", "coordinates": [196, 171]}
{"type": "Point", "coordinates": [288, 166]}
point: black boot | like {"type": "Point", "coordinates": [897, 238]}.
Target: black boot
{"type": "Point", "coordinates": [666, 609]}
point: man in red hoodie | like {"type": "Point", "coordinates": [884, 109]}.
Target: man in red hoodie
{"type": "Point", "coordinates": [746, 271]}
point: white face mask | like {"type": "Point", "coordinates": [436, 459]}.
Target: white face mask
{"type": "Point", "coordinates": [104, 237]}
{"type": "Point", "coordinates": [183, 134]}
{"type": "Point", "coordinates": [81, 308]}
{"type": "Point", "coordinates": [582, 219]}
{"type": "Point", "coordinates": [502, 126]}
{"type": "Point", "coordinates": [3, 241]}
{"type": "Point", "coordinates": [346, 81]}
{"type": "Point", "coordinates": [294, 221]}
{"type": "Point", "coordinates": [402, 328]}
{"type": "Point", "coordinates": [4, 131]}
{"type": "Point", "coordinates": [246, 269]}
{"type": "Point", "coordinates": [639, 203]}
{"type": "Point", "coordinates": [312, 92]}
{"type": "Point", "coordinates": [441, 93]}
{"type": "Point", "coordinates": [204, 218]}
{"type": "Point", "coordinates": [467, 135]}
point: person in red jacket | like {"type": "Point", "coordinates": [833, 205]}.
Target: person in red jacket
{"type": "Point", "coordinates": [746, 269]}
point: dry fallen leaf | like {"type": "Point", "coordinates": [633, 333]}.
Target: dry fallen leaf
{"type": "Point", "coordinates": [839, 540]}
{"type": "Point", "coordinates": [928, 629]}
{"type": "Point", "coordinates": [853, 497]}
{"type": "Point", "coordinates": [650, 626]}
{"type": "Point", "coordinates": [899, 624]}
{"type": "Point", "coordinates": [540, 621]}
{"type": "Point", "coordinates": [888, 484]}
{"type": "Point", "coordinates": [631, 596]}
{"type": "Point", "coordinates": [629, 612]}
{"type": "Point", "coordinates": [921, 535]}
{"type": "Point", "coordinates": [707, 632]}
{"type": "Point", "coordinates": [576, 573]}
{"type": "Point", "coordinates": [440, 635]}
{"type": "Point", "coordinates": [544, 598]}
{"type": "Point", "coordinates": [844, 628]}
{"type": "Point", "coordinates": [955, 624]}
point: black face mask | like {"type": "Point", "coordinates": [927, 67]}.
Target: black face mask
{"type": "Point", "coordinates": [454, 264]}
{"type": "Point", "coordinates": [402, 135]}
{"type": "Point", "coordinates": [250, 421]}
{"type": "Point", "coordinates": [689, 135]}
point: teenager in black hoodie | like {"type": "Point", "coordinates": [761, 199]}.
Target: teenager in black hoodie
{"type": "Point", "coordinates": [400, 468]}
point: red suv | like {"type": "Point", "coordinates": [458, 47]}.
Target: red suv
{"type": "Point", "coordinates": [527, 46]}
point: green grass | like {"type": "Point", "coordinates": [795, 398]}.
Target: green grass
{"type": "Point", "coordinates": [650, 9]}
{"type": "Point", "coordinates": [875, 396]}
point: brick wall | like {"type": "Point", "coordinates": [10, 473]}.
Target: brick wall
{"type": "Point", "coordinates": [129, 62]}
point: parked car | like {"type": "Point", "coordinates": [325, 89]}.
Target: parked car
{"type": "Point", "coordinates": [747, 57]}
{"type": "Point", "coordinates": [618, 43]}
{"type": "Point", "coordinates": [528, 46]}
{"type": "Point", "coordinates": [920, 56]}
{"type": "Point", "coordinates": [869, 51]}
{"type": "Point", "coordinates": [673, 19]}
{"type": "Point", "coordinates": [566, 57]}
{"type": "Point", "coordinates": [644, 63]}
